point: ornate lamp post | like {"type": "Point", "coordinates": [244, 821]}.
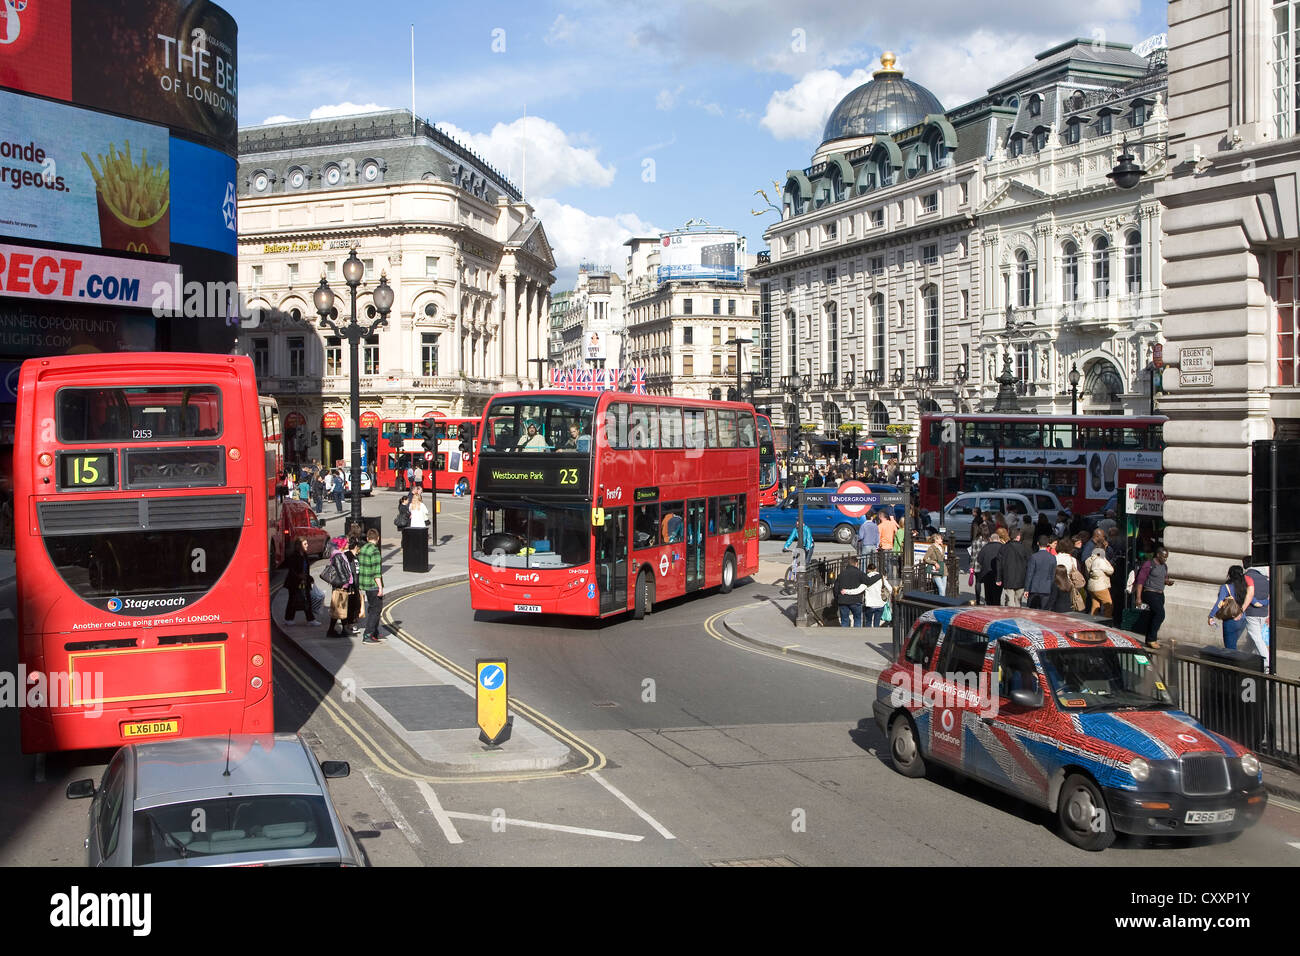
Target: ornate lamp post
{"type": "Point", "coordinates": [353, 272]}
{"type": "Point", "coordinates": [1074, 388]}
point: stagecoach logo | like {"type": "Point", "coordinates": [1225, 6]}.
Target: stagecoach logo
{"type": "Point", "coordinates": [145, 606]}
{"type": "Point", "coordinates": [530, 578]}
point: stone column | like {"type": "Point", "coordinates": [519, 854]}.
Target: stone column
{"type": "Point", "coordinates": [509, 335]}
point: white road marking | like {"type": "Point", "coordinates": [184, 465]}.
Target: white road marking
{"type": "Point", "coordinates": [1296, 845]}
{"type": "Point", "coordinates": [663, 832]}
{"type": "Point", "coordinates": [582, 831]}
{"type": "Point", "coordinates": [439, 814]}
{"type": "Point", "coordinates": [407, 830]}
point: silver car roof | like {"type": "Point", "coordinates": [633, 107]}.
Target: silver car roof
{"type": "Point", "coordinates": [172, 771]}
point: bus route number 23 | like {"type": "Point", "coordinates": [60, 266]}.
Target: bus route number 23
{"type": "Point", "coordinates": [568, 476]}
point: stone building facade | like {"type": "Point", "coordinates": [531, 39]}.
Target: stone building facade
{"type": "Point", "coordinates": [1231, 226]}
{"type": "Point", "coordinates": [468, 261]}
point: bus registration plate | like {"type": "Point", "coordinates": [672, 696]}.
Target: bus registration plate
{"type": "Point", "coordinates": [530, 608]}
{"type": "Point", "coordinates": [151, 728]}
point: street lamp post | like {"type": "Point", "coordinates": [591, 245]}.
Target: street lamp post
{"type": "Point", "coordinates": [738, 342]}
{"type": "Point", "coordinates": [1074, 388]}
{"type": "Point", "coordinates": [353, 272]}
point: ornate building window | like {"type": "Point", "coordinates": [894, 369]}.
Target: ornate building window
{"type": "Point", "coordinates": [1101, 269]}
{"type": "Point", "coordinates": [334, 356]}
{"type": "Point", "coordinates": [1069, 272]}
{"type": "Point", "coordinates": [429, 354]}
{"type": "Point", "coordinates": [833, 340]}
{"type": "Point", "coordinates": [1286, 293]}
{"type": "Point", "coordinates": [791, 343]}
{"type": "Point", "coordinates": [878, 332]}
{"type": "Point", "coordinates": [1024, 287]}
{"type": "Point", "coordinates": [930, 305]}
{"type": "Point", "coordinates": [1133, 263]}
{"type": "Point", "coordinates": [261, 358]}
{"type": "Point", "coordinates": [297, 356]}
{"type": "Point", "coordinates": [370, 355]}
{"type": "Point", "coordinates": [1285, 28]}
{"type": "Point", "coordinates": [1102, 385]}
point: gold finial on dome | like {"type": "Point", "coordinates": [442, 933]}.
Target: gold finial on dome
{"type": "Point", "coordinates": [887, 67]}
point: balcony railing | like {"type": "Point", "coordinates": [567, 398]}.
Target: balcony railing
{"type": "Point", "coordinates": [849, 380]}
{"type": "Point", "coordinates": [897, 377]}
{"type": "Point", "coordinates": [926, 374]}
{"type": "Point", "coordinates": [789, 383]}
{"type": "Point", "coordinates": [873, 376]}
{"type": "Point", "coordinates": [826, 379]}
{"type": "Point", "coordinates": [760, 380]}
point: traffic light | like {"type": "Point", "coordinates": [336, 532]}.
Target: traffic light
{"type": "Point", "coordinates": [466, 433]}
{"type": "Point", "coordinates": [430, 440]}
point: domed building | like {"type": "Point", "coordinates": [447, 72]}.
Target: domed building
{"type": "Point", "coordinates": [888, 104]}
{"type": "Point", "coordinates": [923, 249]}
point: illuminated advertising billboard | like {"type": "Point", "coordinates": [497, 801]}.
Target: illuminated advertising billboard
{"type": "Point", "coordinates": [700, 255]}
{"type": "Point", "coordinates": [170, 62]}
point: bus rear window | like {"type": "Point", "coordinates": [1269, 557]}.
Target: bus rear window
{"type": "Point", "coordinates": [147, 413]}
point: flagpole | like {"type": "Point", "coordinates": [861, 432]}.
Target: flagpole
{"type": "Point", "coordinates": [413, 123]}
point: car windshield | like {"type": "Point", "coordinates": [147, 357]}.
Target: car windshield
{"type": "Point", "coordinates": [1105, 678]}
{"type": "Point", "coordinates": [254, 824]}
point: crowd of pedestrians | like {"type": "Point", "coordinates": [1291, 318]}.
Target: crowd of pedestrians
{"type": "Point", "coordinates": [314, 482]}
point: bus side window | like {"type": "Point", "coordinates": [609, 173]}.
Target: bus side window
{"type": "Point", "coordinates": [694, 432]}
{"type": "Point", "coordinates": [645, 527]}
{"type": "Point", "coordinates": [616, 425]}
{"type": "Point", "coordinates": [670, 427]}
{"type": "Point", "coordinates": [711, 425]}
{"type": "Point", "coordinates": [748, 434]}
{"type": "Point", "coordinates": [641, 426]}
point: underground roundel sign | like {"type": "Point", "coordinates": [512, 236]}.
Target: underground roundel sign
{"type": "Point", "coordinates": [663, 566]}
{"type": "Point", "coordinates": [854, 499]}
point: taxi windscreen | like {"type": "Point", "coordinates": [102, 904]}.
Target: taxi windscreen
{"type": "Point", "coordinates": [1102, 678]}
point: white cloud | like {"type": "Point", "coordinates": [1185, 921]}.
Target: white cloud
{"type": "Point", "coordinates": [330, 111]}
{"type": "Point", "coordinates": [578, 236]}
{"type": "Point", "coordinates": [667, 98]}
{"type": "Point", "coordinates": [561, 31]}
{"type": "Point", "coordinates": [801, 111]}
{"type": "Point", "coordinates": [554, 160]}
{"type": "Point", "coordinates": [713, 109]}
{"type": "Point", "coordinates": [957, 71]}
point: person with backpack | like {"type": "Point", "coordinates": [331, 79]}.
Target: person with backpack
{"type": "Point", "coordinates": [1258, 593]}
{"type": "Point", "coordinates": [1149, 588]}
{"type": "Point", "coordinates": [1230, 606]}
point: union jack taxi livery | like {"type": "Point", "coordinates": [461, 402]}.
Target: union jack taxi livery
{"type": "Point", "coordinates": [1067, 715]}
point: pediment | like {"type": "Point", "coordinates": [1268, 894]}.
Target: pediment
{"type": "Point", "coordinates": [1011, 194]}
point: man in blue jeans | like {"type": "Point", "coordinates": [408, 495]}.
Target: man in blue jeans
{"type": "Point", "coordinates": [849, 587]}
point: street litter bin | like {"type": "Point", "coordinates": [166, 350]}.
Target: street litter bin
{"type": "Point", "coordinates": [415, 549]}
{"type": "Point", "coordinates": [368, 522]}
{"type": "Point", "coordinates": [1232, 703]}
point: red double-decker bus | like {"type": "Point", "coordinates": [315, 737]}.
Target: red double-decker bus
{"type": "Point", "coordinates": [596, 504]}
{"type": "Point", "coordinates": [769, 476]}
{"type": "Point", "coordinates": [141, 486]}
{"type": "Point", "coordinates": [1085, 460]}
{"type": "Point", "coordinates": [402, 444]}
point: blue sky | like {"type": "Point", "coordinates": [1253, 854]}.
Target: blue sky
{"type": "Point", "coordinates": [640, 115]}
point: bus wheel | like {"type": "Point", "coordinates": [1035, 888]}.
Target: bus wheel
{"type": "Point", "coordinates": [728, 573]}
{"type": "Point", "coordinates": [642, 602]}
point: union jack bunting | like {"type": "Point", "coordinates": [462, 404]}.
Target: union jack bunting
{"type": "Point", "coordinates": [634, 378]}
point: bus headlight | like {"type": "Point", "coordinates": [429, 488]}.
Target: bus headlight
{"type": "Point", "coordinates": [45, 459]}
{"type": "Point", "coordinates": [1140, 769]}
{"type": "Point", "coordinates": [1250, 765]}
{"type": "Point", "coordinates": [258, 660]}
{"type": "Point", "coordinates": [234, 454]}
{"type": "Point", "coordinates": [256, 683]}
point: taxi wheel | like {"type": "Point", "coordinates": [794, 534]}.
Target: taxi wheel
{"type": "Point", "coordinates": [642, 603]}
{"type": "Point", "coordinates": [764, 531]}
{"type": "Point", "coordinates": [728, 574]}
{"type": "Point", "coordinates": [904, 749]}
{"type": "Point", "coordinates": [1083, 814]}
{"type": "Point", "coordinates": [844, 533]}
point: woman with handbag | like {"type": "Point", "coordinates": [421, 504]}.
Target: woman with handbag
{"type": "Point", "coordinates": [1228, 607]}
{"type": "Point", "coordinates": [298, 584]}
{"type": "Point", "coordinates": [1099, 572]}
{"type": "Point", "coordinates": [936, 564]}
{"type": "Point", "coordinates": [345, 599]}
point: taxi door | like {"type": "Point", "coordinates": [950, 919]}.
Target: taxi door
{"type": "Point", "coordinates": [952, 694]}
{"type": "Point", "coordinates": [1010, 738]}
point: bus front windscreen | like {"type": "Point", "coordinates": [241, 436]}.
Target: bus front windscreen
{"type": "Point", "coordinates": [561, 423]}
{"type": "Point", "coordinates": [521, 533]}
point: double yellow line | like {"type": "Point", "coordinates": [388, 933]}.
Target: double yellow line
{"type": "Point", "coordinates": [591, 758]}
{"type": "Point", "coordinates": [711, 628]}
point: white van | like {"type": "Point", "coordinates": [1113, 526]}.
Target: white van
{"type": "Point", "coordinates": [1027, 503]}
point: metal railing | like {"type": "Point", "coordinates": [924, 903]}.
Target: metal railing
{"type": "Point", "coordinates": [1259, 711]}
{"type": "Point", "coordinates": [817, 603]}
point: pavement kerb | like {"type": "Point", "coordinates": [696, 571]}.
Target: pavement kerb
{"type": "Point", "coordinates": [770, 644]}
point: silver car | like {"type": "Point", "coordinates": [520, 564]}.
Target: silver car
{"type": "Point", "coordinates": [1025, 503]}
{"type": "Point", "coordinates": [242, 800]}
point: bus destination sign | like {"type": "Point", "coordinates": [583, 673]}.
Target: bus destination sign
{"type": "Point", "coordinates": [544, 476]}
